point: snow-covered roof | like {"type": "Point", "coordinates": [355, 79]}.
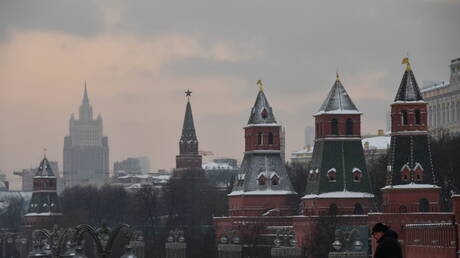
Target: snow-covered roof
{"type": "Point", "coordinates": [338, 101]}
{"type": "Point", "coordinates": [377, 142]}
{"type": "Point", "coordinates": [215, 165]}
{"type": "Point", "coordinates": [411, 186]}
{"type": "Point", "coordinates": [262, 192]}
{"type": "Point", "coordinates": [341, 194]}
{"type": "Point", "coordinates": [43, 214]}
{"type": "Point", "coordinates": [162, 177]}
{"type": "Point", "coordinates": [303, 151]}
{"type": "Point", "coordinates": [434, 86]}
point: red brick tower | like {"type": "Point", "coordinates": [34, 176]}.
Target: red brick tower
{"type": "Point", "coordinates": [44, 208]}
{"type": "Point", "coordinates": [411, 196]}
{"type": "Point", "coordinates": [411, 183]}
{"type": "Point", "coordinates": [263, 185]}
{"type": "Point", "coordinates": [337, 177]}
{"type": "Point", "coordinates": [189, 157]}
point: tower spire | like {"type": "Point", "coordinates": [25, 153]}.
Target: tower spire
{"type": "Point", "coordinates": [261, 85]}
{"type": "Point", "coordinates": [85, 95]}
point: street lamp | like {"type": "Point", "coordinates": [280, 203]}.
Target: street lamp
{"type": "Point", "coordinates": [6, 238]}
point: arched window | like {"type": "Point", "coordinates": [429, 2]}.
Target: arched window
{"type": "Point", "coordinates": [264, 113]}
{"type": "Point", "coordinates": [404, 120]}
{"type": "Point", "coordinates": [334, 127]}
{"type": "Point", "coordinates": [424, 205]}
{"type": "Point", "coordinates": [405, 173]}
{"type": "Point", "coordinates": [333, 209]}
{"type": "Point", "coordinates": [275, 179]}
{"type": "Point", "coordinates": [358, 209]}
{"type": "Point", "coordinates": [417, 117]}
{"type": "Point", "coordinates": [332, 175]}
{"type": "Point", "coordinates": [357, 174]}
{"type": "Point", "coordinates": [349, 126]}
{"type": "Point", "coordinates": [418, 172]}
{"type": "Point", "coordinates": [260, 138]}
{"type": "Point", "coordinates": [402, 209]}
{"type": "Point", "coordinates": [270, 138]}
{"type": "Point", "coordinates": [261, 179]}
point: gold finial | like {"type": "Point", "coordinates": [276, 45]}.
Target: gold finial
{"type": "Point", "coordinates": [337, 77]}
{"type": "Point", "coordinates": [261, 86]}
{"type": "Point", "coordinates": [407, 63]}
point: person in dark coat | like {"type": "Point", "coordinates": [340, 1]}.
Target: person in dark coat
{"type": "Point", "coordinates": [387, 240]}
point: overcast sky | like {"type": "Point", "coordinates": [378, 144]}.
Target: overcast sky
{"type": "Point", "coordinates": [138, 57]}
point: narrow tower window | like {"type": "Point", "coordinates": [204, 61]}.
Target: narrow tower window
{"type": "Point", "coordinates": [334, 127]}
{"type": "Point", "coordinates": [417, 117]}
{"type": "Point", "coordinates": [404, 117]}
{"type": "Point", "coordinates": [270, 138]}
{"type": "Point", "coordinates": [424, 205]}
{"type": "Point", "coordinates": [260, 138]}
{"type": "Point", "coordinates": [358, 209]}
{"type": "Point", "coordinates": [349, 126]}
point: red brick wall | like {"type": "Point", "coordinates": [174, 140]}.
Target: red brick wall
{"type": "Point", "coordinates": [393, 199]}
{"type": "Point", "coordinates": [44, 184]}
{"type": "Point", "coordinates": [251, 135]}
{"type": "Point", "coordinates": [431, 240]}
{"type": "Point", "coordinates": [323, 125]}
{"type": "Point", "coordinates": [396, 114]}
{"type": "Point", "coordinates": [256, 205]}
{"type": "Point", "coordinates": [345, 205]}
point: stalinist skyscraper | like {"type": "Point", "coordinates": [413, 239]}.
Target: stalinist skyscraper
{"type": "Point", "coordinates": [86, 150]}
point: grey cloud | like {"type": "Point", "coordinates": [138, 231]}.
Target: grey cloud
{"type": "Point", "coordinates": [80, 17]}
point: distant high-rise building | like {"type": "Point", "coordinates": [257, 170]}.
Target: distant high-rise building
{"type": "Point", "coordinates": [86, 150]}
{"type": "Point", "coordinates": [444, 102]}
{"type": "Point", "coordinates": [309, 136]}
{"type": "Point", "coordinates": [131, 166]}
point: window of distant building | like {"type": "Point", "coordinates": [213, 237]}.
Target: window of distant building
{"type": "Point", "coordinates": [270, 138]}
{"type": "Point", "coordinates": [334, 127]}
{"type": "Point", "coordinates": [402, 209]}
{"type": "Point", "coordinates": [424, 205]}
{"type": "Point", "coordinates": [264, 113]}
{"type": "Point", "coordinates": [349, 126]}
{"type": "Point", "coordinates": [357, 174]}
{"type": "Point", "coordinates": [358, 209]}
{"type": "Point", "coordinates": [404, 120]}
{"type": "Point", "coordinates": [405, 173]}
{"type": "Point", "coordinates": [332, 175]}
{"type": "Point", "coordinates": [260, 138]}
{"type": "Point", "coordinates": [417, 117]}
{"type": "Point", "coordinates": [333, 209]}
{"type": "Point", "coordinates": [275, 179]}
{"type": "Point", "coordinates": [261, 179]}
{"type": "Point", "coordinates": [418, 172]}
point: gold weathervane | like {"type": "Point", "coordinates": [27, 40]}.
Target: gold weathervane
{"type": "Point", "coordinates": [259, 82]}
{"type": "Point", "coordinates": [407, 63]}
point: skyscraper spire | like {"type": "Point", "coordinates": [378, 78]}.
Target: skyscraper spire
{"type": "Point", "coordinates": [85, 95]}
{"type": "Point", "coordinates": [86, 111]}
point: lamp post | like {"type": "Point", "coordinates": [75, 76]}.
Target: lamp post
{"type": "Point", "coordinates": [68, 243]}
{"type": "Point", "coordinates": [103, 238]}
{"type": "Point", "coordinates": [6, 238]}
